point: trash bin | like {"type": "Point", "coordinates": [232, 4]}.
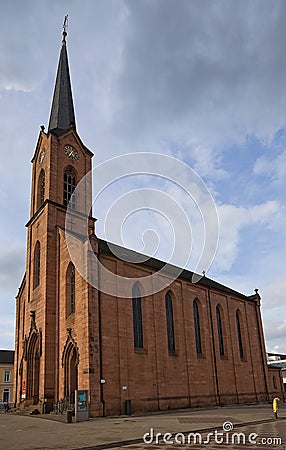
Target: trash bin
{"type": "Point", "coordinates": [128, 407]}
{"type": "Point", "coordinates": [69, 416]}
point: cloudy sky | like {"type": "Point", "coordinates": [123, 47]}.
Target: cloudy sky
{"type": "Point", "coordinates": [204, 82]}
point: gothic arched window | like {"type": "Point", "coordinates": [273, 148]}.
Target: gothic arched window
{"type": "Point", "coordinates": [219, 330]}
{"type": "Point", "coordinates": [239, 337]}
{"type": "Point", "coordinates": [197, 327]}
{"type": "Point", "coordinates": [70, 284]}
{"type": "Point", "coordinates": [170, 323]}
{"type": "Point", "coordinates": [37, 264]}
{"type": "Point", "coordinates": [69, 187]}
{"type": "Point", "coordinates": [137, 317]}
{"type": "Point", "coordinates": [41, 188]}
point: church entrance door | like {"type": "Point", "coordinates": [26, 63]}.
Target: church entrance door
{"type": "Point", "coordinates": [71, 373]}
{"type": "Point", "coordinates": [33, 369]}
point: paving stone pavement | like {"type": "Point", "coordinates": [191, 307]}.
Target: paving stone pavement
{"type": "Point", "coordinates": [40, 432]}
{"type": "Point", "coordinates": [261, 436]}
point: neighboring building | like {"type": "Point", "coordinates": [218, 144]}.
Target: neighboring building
{"type": "Point", "coordinates": [6, 375]}
{"type": "Point", "coordinates": [275, 356]}
{"type": "Point", "coordinates": [188, 345]}
{"type": "Point", "coordinates": [277, 361]}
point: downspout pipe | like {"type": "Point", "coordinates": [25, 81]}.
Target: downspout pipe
{"type": "Point", "coordinates": [100, 335]}
{"type": "Point", "coordinates": [261, 346]}
{"type": "Point", "coordinates": [16, 371]}
{"type": "Point", "coordinates": [214, 349]}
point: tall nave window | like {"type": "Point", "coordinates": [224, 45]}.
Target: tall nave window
{"type": "Point", "coordinates": [170, 324]}
{"type": "Point", "coordinates": [220, 332]}
{"type": "Point", "coordinates": [197, 327]}
{"type": "Point", "coordinates": [239, 336]}
{"type": "Point", "coordinates": [137, 317]}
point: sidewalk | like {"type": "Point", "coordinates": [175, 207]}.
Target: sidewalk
{"type": "Point", "coordinates": [42, 432]}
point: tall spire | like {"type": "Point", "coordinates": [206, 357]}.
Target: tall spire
{"type": "Point", "coordinates": [62, 112]}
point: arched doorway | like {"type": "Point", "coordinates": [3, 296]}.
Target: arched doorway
{"type": "Point", "coordinates": [33, 368]}
{"type": "Point", "coordinates": [71, 371]}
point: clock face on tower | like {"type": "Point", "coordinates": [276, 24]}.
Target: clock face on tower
{"type": "Point", "coordinates": [71, 152]}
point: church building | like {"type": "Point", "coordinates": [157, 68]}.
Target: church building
{"type": "Point", "coordinates": [187, 345]}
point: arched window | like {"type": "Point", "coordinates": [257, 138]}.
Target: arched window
{"type": "Point", "coordinates": [239, 337]}
{"type": "Point", "coordinates": [70, 283]}
{"type": "Point", "coordinates": [137, 317]}
{"type": "Point", "coordinates": [170, 324]}
{"type": "Point", "coordinates": [219, 330]}
{"type": "Point", "coordinates": [197, 327]}
{"type": "Point", "coordinates": [41, 188]}
{"type": "Point", "coordinates": [37, 264]}
{"type": "Point", "coordinates": [69, 187]}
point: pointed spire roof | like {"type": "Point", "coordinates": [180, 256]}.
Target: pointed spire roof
{"type": "Point", "coordinates": [62, 112]}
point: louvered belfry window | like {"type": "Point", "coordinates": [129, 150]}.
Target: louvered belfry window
{"type": "Point", "coordinates": [69, 187]}
{"type": "Point", "coordinates": [37, 264]}
{"type": "Point", "coordinates": [41, 187]}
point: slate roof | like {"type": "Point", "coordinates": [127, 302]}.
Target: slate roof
{"type": "Point", "coordinates": [62, 115]}
{"type": "Point", "coordinates": [7, 356]}
{"type": "Point", "coordinates": [135, 257]}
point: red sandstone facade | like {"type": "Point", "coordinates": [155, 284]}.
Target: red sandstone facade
{"type": "Point", "coordinates": [76, 340]}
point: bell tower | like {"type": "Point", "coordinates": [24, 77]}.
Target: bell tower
{"type": "Point", "coordinates": [59, 162]}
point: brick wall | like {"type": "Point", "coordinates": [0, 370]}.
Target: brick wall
{"type": "Point", "coordinates": [99, 333]}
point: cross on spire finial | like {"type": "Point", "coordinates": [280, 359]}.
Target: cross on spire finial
{"type": "Point", "coordinates": [65, 26]}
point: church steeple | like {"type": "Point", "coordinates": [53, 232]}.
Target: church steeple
{"type": "Point", "coordinates": [62, 115]}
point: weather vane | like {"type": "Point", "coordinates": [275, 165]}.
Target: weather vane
{"type": "Point", "coordinates": [65, 26]}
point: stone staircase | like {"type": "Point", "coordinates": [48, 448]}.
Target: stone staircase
{"type": "Point", "coordinates": [28, 410]}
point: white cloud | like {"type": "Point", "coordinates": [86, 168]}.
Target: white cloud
{"type": "Point", "coordinates": [274, 292]}
{"type": "Point", "coordinates": [208, 163]}
{"type": "Point", "coordinates": [7, 330]}
{"type": "Point", "coordinates": [232, 220]}
{"type": "Point", "coordinates": [12, 268]}
{"type": "Point", "coordinates": [273, 168]}
{"type": "Point", "coordinates": [275, 329]}
{"type": "Point", "coordinates": [275, 334]}
{"type": "Point", "coordinates": [15, 86]}
{"type": "Point", "coordinates": [204, 69]}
